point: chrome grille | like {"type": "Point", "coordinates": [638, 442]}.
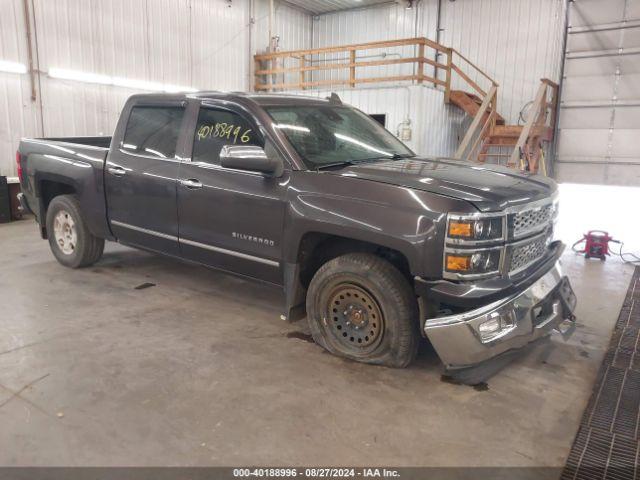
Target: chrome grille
{"type": "Point", "coordinates": [532, 220]}
{"type": "Point", "coordinates": [524, 255]}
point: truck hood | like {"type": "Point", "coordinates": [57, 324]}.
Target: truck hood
{"type": "Point", "coordinates": [487, 187]}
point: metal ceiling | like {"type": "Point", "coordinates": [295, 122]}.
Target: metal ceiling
{"type": "Point", "coordinates": [318, 7]}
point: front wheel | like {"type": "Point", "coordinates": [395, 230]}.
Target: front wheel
{"type": "Point", "coordinates": [361, 307]}
{"type": "Point", "coordinates": [70, 240]}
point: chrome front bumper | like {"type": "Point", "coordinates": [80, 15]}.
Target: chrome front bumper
{"type": "Point", "coordinates": [523, 317]}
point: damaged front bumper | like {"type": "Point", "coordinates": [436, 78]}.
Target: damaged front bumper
{"type": "Point", "coordinates": [470, 338]}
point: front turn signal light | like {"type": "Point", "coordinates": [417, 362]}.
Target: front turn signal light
{"type": "Point", "coordinates": [459, 228]}
{"type": "Point", "coordinates": [458, 263]}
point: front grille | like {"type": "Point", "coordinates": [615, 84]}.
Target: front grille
{"type": "Point", "coordinates": [524, 255]}
{"type": "Point", "coordinates": [532, 220]}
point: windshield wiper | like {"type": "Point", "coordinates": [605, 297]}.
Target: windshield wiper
{"type": "Point", "coordinates": [336, 164]}
{"type": "Point", "coordinates": [396, 156]}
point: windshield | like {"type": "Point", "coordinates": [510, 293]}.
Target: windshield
{"type": "Point", "coordinates": [329, 135]}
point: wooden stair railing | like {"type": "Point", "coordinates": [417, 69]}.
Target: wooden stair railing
{"type": "Point", "coordinates": [272, 73]}
{"type": "Point", "coordinates": [539, 128]}
{"type": "Point", "coordinates": [483, 122]}
{"type": "Point", "coordinates": [525, 144]}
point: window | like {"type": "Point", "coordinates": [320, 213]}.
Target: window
{"type": "Point", "coordinates": [381, 118]}
{"type": "Point", "coordinates": [153, 131]}
{"type": "Point", "coordinates": [330, 135]}
{"type": "Point", "coordinates": [217, 128]}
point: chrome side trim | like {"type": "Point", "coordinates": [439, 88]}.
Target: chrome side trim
{"type": "Point", "coordinates": [144, 230]}
{"type": "Point", "coordinates": [233, 253]}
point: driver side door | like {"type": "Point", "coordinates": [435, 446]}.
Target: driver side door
{"type": "Point", "coordinates": [229, 219]}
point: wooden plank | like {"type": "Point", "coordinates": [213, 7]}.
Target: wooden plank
{"type": "Point", "coordinates": [526, 131]}
{"type": "Point", "coordinates": [468, 80]}
{"type": "Point", "coordinates": [338, 66]}
{"type": "Point", "coordinates": [420, 63]}
{"type": "Point", "coordinates": [346, 48]}
{"type": "Point", "coordinates": [397, 78]}
{"type": "Point", "coordinates": [352, 69]}
{"type": "Point", "coordinates": [447, 84]}
{"type": "Point", "coordinates": [475, 124]}
{"type": "Point", "coordinates": [302, 64]}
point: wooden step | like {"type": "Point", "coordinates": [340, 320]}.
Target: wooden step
{"type": "Point", "coordinates": [506, 131]}
{"type": "Point", "coordinates": [470, 103]}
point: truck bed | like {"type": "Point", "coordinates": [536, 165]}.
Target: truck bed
{"type": "Point", "coordinates": [66, 165]}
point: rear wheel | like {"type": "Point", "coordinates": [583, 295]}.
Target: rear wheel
{"type": "Point", "coordinates": [361, 307]}
{"type": "Point", "coordinates": [70, 240]}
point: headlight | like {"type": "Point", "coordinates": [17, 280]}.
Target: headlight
{"type": "Point", "coordinates": [481, 263]}
{"type": "Point", "coordinates": [463, 229]}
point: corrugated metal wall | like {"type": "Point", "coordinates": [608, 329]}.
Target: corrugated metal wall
{"type": "Point", "coordinates": [205, 44]}
{"type": "Point", "coordinates": [18, 115]}
{"type": "Point", "coordinates": [293, 26]}
{"type": "Point", "coordinates": [516, 42]}
{"type": "Point", "coordinates": [600, 108]}
{"type": "Point", "coordinates": [381, 22]}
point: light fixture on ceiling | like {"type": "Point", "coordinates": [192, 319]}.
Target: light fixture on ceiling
{"type": "Point", "coordinates": [12, 67]}
{"type": "Point", "coordinates": [88, 77]}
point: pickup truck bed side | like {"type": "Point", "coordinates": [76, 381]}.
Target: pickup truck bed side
{"type": "Point", "coordinates": [57, 166]}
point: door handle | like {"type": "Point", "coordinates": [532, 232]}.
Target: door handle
{"type": "Point", "coordinates": [116, 171]}
{"type": "Point", "coordinates": [191, 183]}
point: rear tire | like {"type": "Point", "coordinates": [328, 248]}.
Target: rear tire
{"type": "Point", "coordinates": [361, 307]}
{"type": "Point", "coordinates": [70, 240]}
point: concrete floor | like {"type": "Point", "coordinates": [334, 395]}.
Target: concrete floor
{"type": "Point", "coordinates": [199, 370]}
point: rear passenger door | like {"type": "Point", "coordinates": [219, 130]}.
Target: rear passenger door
{"type": "Point", "coordinates": [230, 219]}
{"type": "Point", "coordinates": [140, 176]}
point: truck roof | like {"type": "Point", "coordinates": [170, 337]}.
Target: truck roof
{"type": "Point", "coordinates": [262, 99]}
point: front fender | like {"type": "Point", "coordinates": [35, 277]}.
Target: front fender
{"type": "Point", "coordinates": [409, 221]}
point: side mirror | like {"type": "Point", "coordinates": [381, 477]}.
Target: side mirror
{"type": "Point", "coordinates": [250, 158]}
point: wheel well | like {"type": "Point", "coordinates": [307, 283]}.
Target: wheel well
{"type": "Point", "coordinates": [318, 248]}
{"type": "Point", "coordinates": [50, 189]}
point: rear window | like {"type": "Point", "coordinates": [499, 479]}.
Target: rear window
{"type": "Point", "coordinates": [153, 131]}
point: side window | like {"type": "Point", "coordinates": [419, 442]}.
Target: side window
{"type": "Point", "coordinates": [153, 131]}
{"type": "Point", "coordinates": [217, 128]}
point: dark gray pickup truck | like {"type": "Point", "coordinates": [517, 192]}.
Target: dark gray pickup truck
{"type": "Point", "coordinates": [375, 245]}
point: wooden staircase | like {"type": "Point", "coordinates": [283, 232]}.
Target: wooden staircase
{"type": "Point", "coordinates": [490, 140]}
{"type": "Point", "coordinates": [470, 103]}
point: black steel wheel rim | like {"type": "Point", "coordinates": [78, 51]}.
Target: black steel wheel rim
{"type": "Point", "coordinates": [354, 318]}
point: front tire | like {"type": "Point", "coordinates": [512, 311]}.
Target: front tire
{"type": "Point", "coordinates": [70, 240]}
{"type": "Point", "coordinates": [361, 307]}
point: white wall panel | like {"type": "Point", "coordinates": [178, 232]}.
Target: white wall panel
{"type": "Point", "coordinates": [292, 25]}
{"type": "Point", "coordinates": [600, 104]}
{"type": "Point", "coordinates": [18, 115]}
{"type": "Point", "coordinates": [293, 28]}
{"type": "Point", "coordinates": [516, 42]}
{"type": "Point", "coordinates": [383, 22]}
